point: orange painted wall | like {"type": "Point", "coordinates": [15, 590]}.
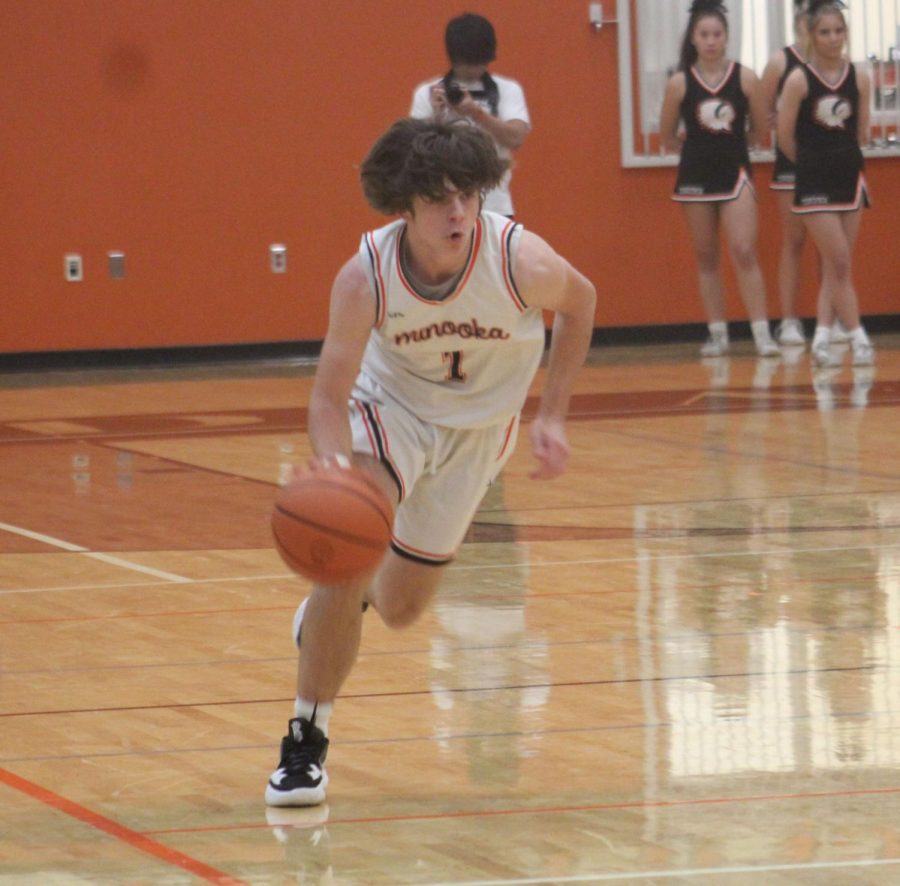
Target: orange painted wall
{"type": "Point", "coordinates": [191, 134]}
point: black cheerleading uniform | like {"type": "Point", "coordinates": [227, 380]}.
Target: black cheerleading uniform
{"type": "Point", "coordinates": [829, 159]}
{"type": "Point", "coordinates": [715, 162]}
{"type": "Point", "coordinates": [784, 172]}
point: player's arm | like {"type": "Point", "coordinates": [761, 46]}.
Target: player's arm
{"type": "Point", "coordinates": [864, 84]}
{"type": "Point", "coordinates": [511, 127]}
{"type": "Point", "coordinates": [771, 76]}
{"type": "Point", "coordinates": [546, 280]}
{"type": "Point", "coordinates": [759, 116]}
{"type": "Point", "coordinates": [788, 108]}
{"type": "Point", "coordinates": [350, 320]}
{"type": "Point", "coordinates": [671, 112]}
{"type": "Point", "coordinates": [508, 133]}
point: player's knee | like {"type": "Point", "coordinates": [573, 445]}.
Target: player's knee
{"type": "Point", "coordinates": [403, 589]}
{"type": "Point", "coordinates": [400, 610]}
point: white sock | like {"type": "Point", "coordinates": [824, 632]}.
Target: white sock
{"type": "Point", "coordinates": [822, 333]}
{"type": "Point", "coordinates": [718, 329]}
{"type": "Point", "coordinates": [307, 710]}
{"type": "Point", "coordinates": [760, 330]}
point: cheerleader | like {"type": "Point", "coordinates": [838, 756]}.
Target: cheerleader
{"type": "Point", "coordinates": [822, 122]}
{"type": "Point", "coordinates": [714, 97]}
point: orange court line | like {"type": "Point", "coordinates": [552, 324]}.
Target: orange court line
{"type": "Point", "coordinates": [120, 832]}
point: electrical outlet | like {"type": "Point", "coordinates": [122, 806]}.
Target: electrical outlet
{"type": "Point", "coordinates": [278, 258]}
{"type": "Point", "coordinates": [73, 268]}
{"type": "Point", "coordinates": [116, 264]}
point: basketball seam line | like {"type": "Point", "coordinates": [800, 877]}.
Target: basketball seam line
{"type": "Point", "coordinates": [331, 530]}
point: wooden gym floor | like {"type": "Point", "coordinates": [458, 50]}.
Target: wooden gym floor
{"type": "Point", "coordinates": [679, 663]}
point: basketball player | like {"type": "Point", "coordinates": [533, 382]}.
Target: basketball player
{"type": "Point", "coordinates": [793, 232]}
{"type": "Point", "coordinates": [468, 91]}
{"type": "Point", "coordinates": [823, 121]}
{"type": "Point", "coordinates": [714, 97]}
{"type": "Point", "coordinates": [435, 333]}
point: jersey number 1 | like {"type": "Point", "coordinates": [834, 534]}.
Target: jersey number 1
{"type": "Point", "coordinates": [454, 359]}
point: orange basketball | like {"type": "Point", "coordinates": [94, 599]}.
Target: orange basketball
{"type": "Point", "coordinates": [332, 525]}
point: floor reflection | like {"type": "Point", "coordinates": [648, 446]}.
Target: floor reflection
{"type": "Point", "coordinates": [773, 659]}
{"type": "Point", "coordinates": [306, 844]}
{"type": "Point", "coordinates": [488, 672]}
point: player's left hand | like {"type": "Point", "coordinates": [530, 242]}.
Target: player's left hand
{"type": "Point", "coordinates": [550, 447]}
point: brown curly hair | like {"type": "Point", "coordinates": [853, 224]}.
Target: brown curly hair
{"type": "Point", "coordinates": [419, 158]}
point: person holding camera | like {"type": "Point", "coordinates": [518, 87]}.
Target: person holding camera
{"type": "Point", "coordinates": [467, 91]}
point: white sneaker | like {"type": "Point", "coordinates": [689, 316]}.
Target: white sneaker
{"type": "Point", "coordinates": [714, 346]}
{"type": "Point", "coordinates": [300, 779]}
{"type": "Point", "coordinates": [762, 377]}
{"type": "Point", "coordinates": [719, 370]}
{"type": "Point", "coordinates": [791, 356]}
{"type": "Point", "coordinates": [839, 335]}
{"type": "Point", "coordinates": [823, 379]}
{"type": "Point", "coordinates": [790, 333]}
{"type": "Point", "coordinates": [821, 353]}
{"type": "Point", "coordinates": [863, 353]}
{"type": "Point", "coordinates": [863, 377]}
{"type": "Point", "coordinates": [767, 348]}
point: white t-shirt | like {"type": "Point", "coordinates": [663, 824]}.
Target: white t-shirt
{"type": "Point", "coordinates": [511, 106]}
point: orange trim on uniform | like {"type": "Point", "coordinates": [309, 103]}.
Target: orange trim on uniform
{"type": "Point", "coordinates": [473, 255]}
{"type": "Point", "coordinates": [706, 85]}
{"type": "Point", "coordinates": [507, 436]}
{"type": "Point", "coordinates": [378, 441]}
{"type": "Point", "coordinates": [743, 181]}
{"type": "Point", "coordinates": [506, 260]}
{"type": "Point", "coordinates": [832, 86]}
{"type": "Point", "coordinates": [862, 190]}
{"type": "Point", "coordinates": [372, 444]}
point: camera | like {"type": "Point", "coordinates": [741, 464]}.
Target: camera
{"type": "Point", "coordinates": [454, 94]}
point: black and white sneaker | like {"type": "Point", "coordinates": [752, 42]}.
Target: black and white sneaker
{"type": "Point", "coordinates": [300, 779]}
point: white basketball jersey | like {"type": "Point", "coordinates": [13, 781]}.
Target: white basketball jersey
{"type": "Point", "coordinates": [465, 361]}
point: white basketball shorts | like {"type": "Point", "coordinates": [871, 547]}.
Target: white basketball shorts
{"type": "Point", "coordinates": [442, 473]}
